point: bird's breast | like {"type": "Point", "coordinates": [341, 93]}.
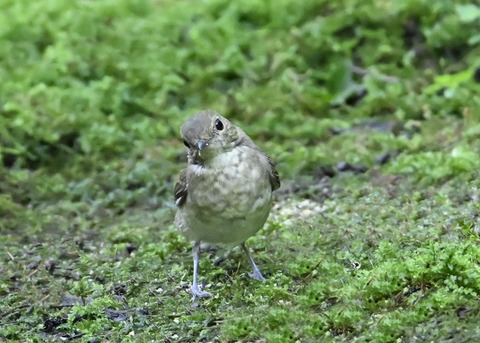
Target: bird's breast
{"type": "Point", "coordinates": [233, 184]}
{"type": "Point", "coordinates": [228, 199]}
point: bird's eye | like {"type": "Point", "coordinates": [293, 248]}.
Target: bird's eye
{"type": "Point", "coordinates": [186, 144]}
{"type": "Point", "coordinates": [218, 125]}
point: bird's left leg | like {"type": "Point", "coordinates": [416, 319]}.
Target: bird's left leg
{"type": "Point", "coordinates": [256, 274]}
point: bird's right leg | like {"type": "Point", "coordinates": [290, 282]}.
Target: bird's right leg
{"type": "Point", "coordinates": [196, 256]}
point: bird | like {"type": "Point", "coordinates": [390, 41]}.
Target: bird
{"type": "Point", "coordinates": [224, 195]}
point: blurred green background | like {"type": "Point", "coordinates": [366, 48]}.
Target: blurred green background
{"type": "Point", "coordinates": [369, 108]}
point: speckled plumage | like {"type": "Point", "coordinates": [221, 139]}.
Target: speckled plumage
{"type": "Point", "coordinates": [224, 196]}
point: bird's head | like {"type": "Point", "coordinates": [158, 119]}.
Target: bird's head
{"type": "Point", "coordinates": [208, 134]}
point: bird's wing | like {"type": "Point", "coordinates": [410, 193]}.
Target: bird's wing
{"type": "Point", "coordinates": [269, 165]}
{"type": "Point", "coordinates": [273, 174]}
{"type": "Point", "coordinates": [180, 190]}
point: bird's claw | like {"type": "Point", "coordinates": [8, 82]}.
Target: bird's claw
{"type": "Point", "coordinates": [198, 293]}
{"type": "Point", "coordinates": [256, 275]}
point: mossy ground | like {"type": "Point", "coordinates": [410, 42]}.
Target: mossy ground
{"type": "Point", "coordinates": [370, 109]}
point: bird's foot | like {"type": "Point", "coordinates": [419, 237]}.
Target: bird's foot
{"type": "Point", "coordinates": [198, 293]}
{"type": "Point", "coordinates": [256, 275]}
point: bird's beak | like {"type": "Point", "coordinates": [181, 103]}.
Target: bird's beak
{"type": "Point", "coordinates": [201, 144]}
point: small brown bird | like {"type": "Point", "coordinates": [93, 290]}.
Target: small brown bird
{"type": "Point", "coordinates": [224, 196]}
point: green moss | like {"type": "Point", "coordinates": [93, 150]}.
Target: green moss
{"type": "Point", "coordinates": [368, 108]}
